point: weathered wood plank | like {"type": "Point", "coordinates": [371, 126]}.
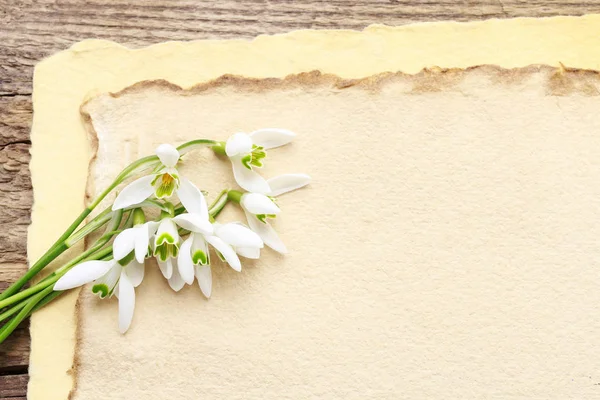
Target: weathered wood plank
{"type": "Point", "coordinates": [13, 386]}
{"type": "Point", "coordinates": [14, 352]}
{"type": "Point", "coordinates": [32, 30]}
{"type": "Point", "coordinates": [15, 197]}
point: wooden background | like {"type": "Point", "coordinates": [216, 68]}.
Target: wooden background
{"type": "Point", "coordinates": [31, 30]}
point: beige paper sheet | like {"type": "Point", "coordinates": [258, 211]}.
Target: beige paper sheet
{"type": "Point", "coordinates": [447, 247]}
{"type": "Point", "coordinates": [61, 151]}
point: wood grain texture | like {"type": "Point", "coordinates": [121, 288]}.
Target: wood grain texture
{"type": "Point", "coordinates": [33, 29]}
{"type": "Point", "coordinates": [13, 386]}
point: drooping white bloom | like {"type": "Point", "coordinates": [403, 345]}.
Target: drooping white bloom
{"type": "Point", "coordinates": [228, 240]}
{"type": "Point", "coordinates": [116, 277]}
{"type": "Point", "coordinates": [162, 184]}
{"type": "Point", "coordinates": [135, 239]}
{"type": "Point", "coordinates": [260, 207]}
{"type": "Point", "coordinates": [166, 246]}
{"type": "Point", "coordinates": [246, 152]}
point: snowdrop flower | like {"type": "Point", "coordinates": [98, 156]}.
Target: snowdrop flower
{"type": "Point", "coordinates": [116, 277]}
{"type": "Point", "coordinates": [166, 246]}
{"type": "Point", "coordinates": [246, 151]}
{"type": "Point", "coordinates": [136, 239]}
{"type": "Point", "coordinates": [228, 240]}
{"type": "Point", "coordinates": [259, 207]}
{"type": "Point", "coordinates": [162, 184]}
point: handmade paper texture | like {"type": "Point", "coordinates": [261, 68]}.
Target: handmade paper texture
{"type": "Point", "coordinates": [61, 150]}
{"type": "Point", "coordinates": [446, 248]}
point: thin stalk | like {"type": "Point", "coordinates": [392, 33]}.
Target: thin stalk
{"type": "Point", "coordinates": [90, 227]}
{"type": "Point", "coordinates": [189, 146]}
{"type": "Point", "coordinates": [45, 301]}
{"type": "Point", "coordinates": [12, 310]}
{"type": "Point", "coordinates": [217, 206]}
{"type": "Point", "coordinates": [62, 270]}
{"type": "Point", "coordinates": [50, 255]}
{"type": "Point", "coordinates": [61, 245]}
{"type": "Point", "coordinates": [25, 311]}
{"type": "Point", "coordinates": [103, 255]}
{"type": "Point", "coordinates": [87, 255]}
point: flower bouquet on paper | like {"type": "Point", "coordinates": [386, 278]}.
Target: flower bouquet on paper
{"type": "Point", "coordinates": [184, 237]}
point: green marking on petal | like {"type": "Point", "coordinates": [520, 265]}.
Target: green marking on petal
{"type": "Point", "coordinates": [200, 257]}
{"type": "Point", "coordinates": [164, 237]}
{"type": "Point", "coordinates": [161, 252]}
{"type": "Point", "coordinates": [258, 153]}
{"type": "Point", "coordinates": [127, 259]}
{"type": "Point", "coordinates": [101, 289]}
{"type": "Point", "coordinates": [254, 158]}
{"type": "Point", "coordinates": [165, 185]}
{"type": "Point", "coordinates": [263, 217]}
{"type": "Point", "coordinates": [246, 161]}
{"type": "Point", "coordinates": [165, 251]}
{"type": "Point", "coordinates": [221, 256]}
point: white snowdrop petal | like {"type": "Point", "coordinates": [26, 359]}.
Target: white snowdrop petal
{"type": "Point", "coordinates": [135, 272]}
{"type": "Point", "coordinates": [176, 281]}
{"type": "Point", "coordinates": [83, 273]}
{"type": "Point", "coordinates": [286, 183]}
{"type": "Point", "coordinates": [142, 238]}
{"type": "Point", "coordinates": [185, 265]}
{"type": "Point", "coordinates": [204, 276]}
{"type": "Point", "coordinates": [126, 302]}
{"type": "Point", "coordinates": [166, 268]}
{"type": "Point", "coordinates": [192, 198]}
{"type": "Point", "coordinates": [167, 154]}
{"type": "Point", "coordinates": [257, 203]}
{"type": "Point", "coordinates": [238, 143]}
{"type": "Point", "coordinates": [134, 193]}
{"type": "Point", "coordinates": [272, 137]}
{"type": "Point", "coordinates": [124, 243]}
{"type": "Point", "coordinates": [194, 223]}
{"type": "Point", "coordinates": [248, 252]}
{"type": "Point", "coordinates": [167, 231]}
{"type": "Point", "coordinates": [226, 251]}
{"type": "Point", "coordinates": [249, 179]}
{"type": "Point", "coordinates": [238, 235]}
{"type": "Point", "coordinates": [267, 234]}
{"type": "Point", "coordinates": [152, 226]}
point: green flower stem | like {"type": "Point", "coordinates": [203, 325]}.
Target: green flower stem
{"type": "Point", "coordinates": [189, 146]}
{"type": "Point", "coordinates": [23, 303]}
{"type": "Point", "coordinates": [90, 254]}
{"type": "Point", "coordinates": [90, 227]}
{"type": "Point", "coordinates": [46, 259]}
{"type": "Point", "coordinates": [43, 297]}
{"type": "Point", "coordinates": [217, 206]}
{"type": "Point", "coordinates": [60, 246]}
{"type": "Point", "coordinates": [235, 196]}
{"type": "Point", "coordinates": [12, 310]}
{"type": "Point", "coordinates": [25, 311]}
{"type": "Point", "coordinates": [45, 301]}
{"type": "Point", "coordinates": [85, 256]}
{"type": "Point", "coordinates": [219, 148]}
